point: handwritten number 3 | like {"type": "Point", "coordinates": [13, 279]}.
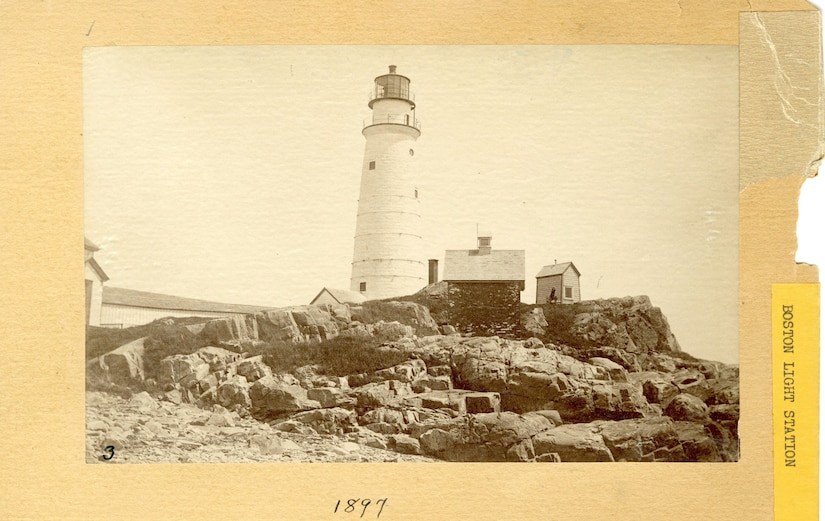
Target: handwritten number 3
{"type": "Point", "coordinates": [111, 450]}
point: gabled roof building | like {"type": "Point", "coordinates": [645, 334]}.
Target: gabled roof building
{"type": "Point", "coordinates": [123, 307]}
{"type": "Point", "coordinates": [337, 296]}
{"type": "Point", "coordinates": [558, 283]}
{"type": "Point", "coordinates": [484, 287]}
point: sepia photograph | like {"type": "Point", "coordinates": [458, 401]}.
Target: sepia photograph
{"type": "Point", "coordinates": [449, 253]}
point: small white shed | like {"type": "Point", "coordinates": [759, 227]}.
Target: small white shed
{"type": "Point", "coordinates": [558, 283]}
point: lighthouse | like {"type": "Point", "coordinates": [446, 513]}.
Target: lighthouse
{"type": "Point", "coordinates": [386, 259]}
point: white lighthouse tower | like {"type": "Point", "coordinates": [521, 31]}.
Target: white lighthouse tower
{"type": "Point", "coordinates": [387, 261]}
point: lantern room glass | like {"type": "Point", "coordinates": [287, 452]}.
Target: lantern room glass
{"type": "Point", "coordinates": [392, 86]}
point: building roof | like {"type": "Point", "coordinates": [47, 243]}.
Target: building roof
{"type": "Point", "coordinates": [145, 299]}
{"type": "Point", "coordinates": [342, 296]}
{"type": "Point", "coordinates": [557, 269]}
{"type": "Point", "coordinates": [498, 265]}
{"type": "Point", "coordinates": [95, 266]}
{"type": "Point", "coordinates": [89, 245]}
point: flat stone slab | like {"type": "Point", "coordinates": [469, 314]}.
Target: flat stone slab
{"type": "Point", "coordinates": [479, 402]}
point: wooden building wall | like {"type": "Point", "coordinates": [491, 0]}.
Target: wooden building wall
{"type": "Point", "coordinates": [120, 316]}
{"type": "Point", "coordinates": [544, 286]}
{"type": "Point", "coordinates": [94, 296]}
{"type": "Point", "coordinates": [571, 280]}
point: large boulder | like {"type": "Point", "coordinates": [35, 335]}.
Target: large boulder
{"type": "Point", "coordinates": [381, 394]}
{"type": "Point", "coordinates": [573, 442]}
{"type": "Point", "coordinates": [330, 396]}
{"type": "Point", "coordinates": [725, 391]}
{"type": "Point", "coordinates": [122, 366]}
{"type": "Point", "coordinates": [182, 369]}
{"type": "Point", "coordinates": [617, 400]}
{"type": "Point", "coordinates": [390, 331]}
{"type": "Point", "coordinates": [692, 381]}
{"type": "Point", "coordinates": [529, 390]}
{"type": "Point", "coordinates": [233, 392]}
{"type": "Point", "coordinates": [278, 326]}
{"type": "Point", "coordinates": [408, 313]}
{"type": "Point", "coordinates": [648, 439]}
{"type": "Point", "coordinates": [253, 368]}
{"type": "Point", "coordinates": [630, 361]}
{"type": "Point", "coordinates": [630, 323]}
{"type": "Point", "coordinates": [271, 397]}
{"type": "Point", "coordinates": [404, 372]}
{"type": "Point", "coordinates": [484, 437]}
{"type": "Point", "coordinates": [219, 359]}
{"type": "Point", "coordinates": [480, 364]}
{"type": "Point", "coordinates": [404, 444]}
{"type": "Point", "coordinates": [478, 403]}
{"type": "Point", "coordinates": [314, 323]}
{"type": "Point", "coordinates": [616, 371]}
{"type": "Point", "coordinates": [534, 322]}
{"type": "Point", "coordinates": [233, 330]}
{"type": "Point", "coordinates": [192, 371]}
{"type": "Point", "coordinates": [340, 313]}
{"type": "Point", "coordinates": [434, 350]}
{"type": "Point", "coordinates": [298, 324]}
{"type": "Point", "coordinates": [266, 444]}
{"type": "Point", "coordinates": [687, 407]}
{"type": "Point", "coordinates": [432, 383]}
{"type": "Point", "coordinates": [143, 402]}
{"type": "Point", "coordinates": [657, 387]}
{"type": "Point", "coordinates": [328, 421]}
{"type": "Point", "coordinates": [126, 362]}
{"type": "Point", "coordinates": [385, 420]}
{"type": "Point", "coordinates": [697, 443]}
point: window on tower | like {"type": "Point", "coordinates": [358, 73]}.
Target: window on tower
{"type": "Point", "coordinates": [372, 165]}
{"type": "Point", "coordinates": [362, 286]}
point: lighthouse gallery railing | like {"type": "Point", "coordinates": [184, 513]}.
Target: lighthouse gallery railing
{"type": "Point", "coordinates": [394, 119]}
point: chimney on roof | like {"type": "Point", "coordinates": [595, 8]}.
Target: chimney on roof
{"type": "Point", "coordinates": [433, 271]}
{"type": "Point", "coordinates": [484, 243]}
{"type": "Point", "coordinates": [392, 69]}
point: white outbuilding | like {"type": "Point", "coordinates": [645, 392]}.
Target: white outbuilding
{"type": "Point", "coordinates": [558, 283]}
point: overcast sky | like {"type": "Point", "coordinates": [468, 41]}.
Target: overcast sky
{"type": "Point", "coordinates": [232, 173]}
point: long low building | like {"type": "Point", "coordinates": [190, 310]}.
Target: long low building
{"type": "Point", "coordinates": [122, 307]}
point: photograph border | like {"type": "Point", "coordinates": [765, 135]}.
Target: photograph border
{"type": "Point", "coordinates": [43, 468]}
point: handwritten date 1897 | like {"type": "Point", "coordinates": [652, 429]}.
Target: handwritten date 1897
{"type": "Point", "coordinates": [354, 505]}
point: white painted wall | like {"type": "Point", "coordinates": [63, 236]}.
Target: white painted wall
{"type": "Point", "coordinates": [324, 298]}
{"type": "Point", "coordinates": [387, 253]}
{"type": "Point", "coordinates": [97, 295]}
{"type": "Point", "coordinates": [572, 280]}
{"type": "Point", "coordinates": [116, 315]}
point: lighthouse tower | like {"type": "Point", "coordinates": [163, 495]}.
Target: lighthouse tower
{"type": "Point", "coordinates": [387, 261]}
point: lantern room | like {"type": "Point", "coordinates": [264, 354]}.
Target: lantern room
{"type": "Point", "coordinates": [392, 86]}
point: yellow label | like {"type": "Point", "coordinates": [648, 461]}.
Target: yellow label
{"type": "Point", "coordinates": [795, 358]}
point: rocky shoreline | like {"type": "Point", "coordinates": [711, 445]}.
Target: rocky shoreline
{"type": "Point", "coordinates": [452, 398]}
{"type": "Point", "coordinates": [143, 430]}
